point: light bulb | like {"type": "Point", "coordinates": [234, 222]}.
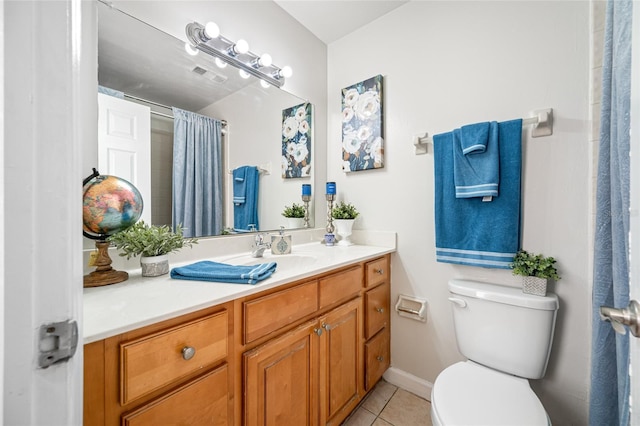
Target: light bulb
{"type": "Point", "coordinates": [212, 30]}
{"type": "Point", "coordinates": [264, 84]}
{"type": "Point", "coordinates": [241, 46]}
{"type": "Point", "coordinates": [220, 63]}
{"type": "Point", "coordinates": [190, 49]}
{"type": "Point", "coordinates": [244, 74]}
{"type": "Point", "coordinates": [265, 60]}
{"type": "Point", "coordinates": [286, 71]}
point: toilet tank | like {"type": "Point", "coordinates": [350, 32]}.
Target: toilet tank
{"type": "Point", "coordinates": [502, 327]}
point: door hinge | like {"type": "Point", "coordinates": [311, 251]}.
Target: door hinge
{"type": "Point", "coordinates": [57, 342]}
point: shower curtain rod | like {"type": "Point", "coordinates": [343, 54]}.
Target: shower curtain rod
{"type": "Point", "coordinates": [223, 122]}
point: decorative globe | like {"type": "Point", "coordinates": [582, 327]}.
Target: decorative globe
{"type": "Point", "coordinates": [110, 204]}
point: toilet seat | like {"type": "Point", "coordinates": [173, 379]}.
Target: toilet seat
{"type": "Point", "coordinates": [468, 394]}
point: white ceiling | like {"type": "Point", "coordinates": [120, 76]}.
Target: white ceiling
{"type": "Point", "coordinates": [330, 20]}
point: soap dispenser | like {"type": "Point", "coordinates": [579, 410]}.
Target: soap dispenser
{"type": "Point", "coordinates": [281, 244]}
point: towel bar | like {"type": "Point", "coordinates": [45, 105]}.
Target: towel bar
{"type": "Point", "coordinates": [542, 122]}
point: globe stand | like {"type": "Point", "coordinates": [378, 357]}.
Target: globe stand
{"type": "Point", "coordinates": [104, 273]}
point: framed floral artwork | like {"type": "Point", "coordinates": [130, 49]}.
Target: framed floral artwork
{"type": "Point", "coordinates": [362, 129]}
{"type": "Point", "coordinates": [296, 141]}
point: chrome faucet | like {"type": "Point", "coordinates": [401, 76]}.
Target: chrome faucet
{"type": "Point", "coordinates": [260, 244]}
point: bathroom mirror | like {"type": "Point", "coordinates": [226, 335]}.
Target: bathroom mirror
{"type": "Point", "coordinates": [152, 67]}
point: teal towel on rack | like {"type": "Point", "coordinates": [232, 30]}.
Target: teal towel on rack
{"type": "Point", "coordinates": [476, 164]}
{"type": "Point", "coordinates": [245, 198]}
{"type": "Point", "coordinates": [469, 231]}
{"type": "Point", "coordinates": [207, 270]}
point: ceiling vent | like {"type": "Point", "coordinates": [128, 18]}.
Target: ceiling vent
{"type": "Point", "coordinates": [217, 78]}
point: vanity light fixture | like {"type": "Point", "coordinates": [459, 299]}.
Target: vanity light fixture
{"type": "Point", "coordinates": [264, 84]}
{"type": "Point", "coordinates": [220, 63]}
{"type": "Point", "coordinates": [208, 39]}
{"type": "Point", "coordinates": [190, 49]}
{"type": "Point", "coordinates": [244, 74]}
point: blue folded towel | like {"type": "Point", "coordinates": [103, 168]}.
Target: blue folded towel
{"type": "Point", "coordinates": [468, 231]}
{"type": "Point", "coordinates": [207, 270]}
{"type": "Point", "coordinates": [476, 160]}
{"type": "Point", "coordinates": [239, 185]}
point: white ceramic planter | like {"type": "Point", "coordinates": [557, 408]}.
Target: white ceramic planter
{"type": "Point", "coordinates": [344, 228]}
{"type": "Point", "coordinates": [295, 222]}
{"type": "Point", "coordinates": [154, 266]}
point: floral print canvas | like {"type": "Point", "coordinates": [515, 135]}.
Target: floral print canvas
{"type": "Point", "coordinates": [362, 132]}
{"type": "Point", "coordinates": [296, 141]}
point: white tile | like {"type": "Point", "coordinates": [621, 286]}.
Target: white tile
{"type": "Point", "coordinates": [407, 409]}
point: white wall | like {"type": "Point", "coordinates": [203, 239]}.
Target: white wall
{"type": "Point", "coordinates": [446, 64]}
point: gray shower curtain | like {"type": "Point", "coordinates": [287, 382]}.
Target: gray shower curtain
{"type": "Point", "coordinates": [609, 404]}
{"type": "Point", "coordinates": [197, 173]}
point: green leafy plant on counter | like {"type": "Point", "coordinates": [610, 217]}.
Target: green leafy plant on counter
{"type": "Point", "coordinates": [146, 240]}
{"type": "Point", "coordinates": [293, 211]}
{"type": "Point", "coordinates": [344, 210]}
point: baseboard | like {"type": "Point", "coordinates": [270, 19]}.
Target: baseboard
{"type": "Point", "coordinates": [409, 382]}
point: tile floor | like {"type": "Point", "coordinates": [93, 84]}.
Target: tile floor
{"type": "Point", "coordinates": [389, 405]}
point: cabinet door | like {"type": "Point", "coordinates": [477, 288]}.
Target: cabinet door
{"type": "Point", "coordinates": [281, 378]}
{"type": "Point", "coordinates": [340, 362]}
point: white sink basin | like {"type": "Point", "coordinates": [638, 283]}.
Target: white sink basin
{"type": "Point", "coordinates": [284, 261]}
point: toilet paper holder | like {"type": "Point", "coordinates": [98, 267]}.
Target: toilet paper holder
{"type": "Point", "coordinates": [412, 307]}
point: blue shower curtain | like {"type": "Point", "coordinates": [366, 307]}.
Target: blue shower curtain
{"type": "Point", "coordinates": [609, 404]}
{"type": "Point", "coordinates": [197, 173]}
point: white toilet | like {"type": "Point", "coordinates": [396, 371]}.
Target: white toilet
{"type": "Point", "coordinates": [506, 336]}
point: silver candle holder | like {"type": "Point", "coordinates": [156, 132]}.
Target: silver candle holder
{"type": "Point", "coordinates": [330, 199]}
{"type": "Point", "coordinates": [305, 200]}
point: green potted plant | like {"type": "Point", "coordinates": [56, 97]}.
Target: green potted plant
{"type": "Point", "coordinates": [536, 269]}
{"type": "Point", "coordinates": [152, 243]}
{"type": "Point", "coordinates": [295, 215]}
{"type": "Point", "coordinates": [344, 215]}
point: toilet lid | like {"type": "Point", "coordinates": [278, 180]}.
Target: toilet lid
{"type": "Point", "coordinates": [469, 394]}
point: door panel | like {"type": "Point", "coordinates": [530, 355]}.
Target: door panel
{"type": "Point", "coordinates": [124, 144]}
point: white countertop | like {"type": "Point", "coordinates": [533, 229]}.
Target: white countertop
{"type": "Point", "coordinates": [141, 301]}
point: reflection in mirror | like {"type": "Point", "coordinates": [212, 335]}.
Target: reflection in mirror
{"type": "Point", "coordinates": [152, 68]}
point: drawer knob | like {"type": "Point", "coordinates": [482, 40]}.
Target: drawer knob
{"type": "Point", "coordinates": [318, 331]}
{"type": "Point", "coordinates": [188, 352]}
{"type": "Point", "coordinates": [380, 358]}
{"type": "Point", "coordinates": [381, 310]}
{"type": "Point", "coordinates": [379, 271]}
{"type": "Point", "coordinates": [326, 326]}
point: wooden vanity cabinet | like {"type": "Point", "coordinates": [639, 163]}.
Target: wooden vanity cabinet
{"type": "Point", "coordinates": [304, 353]}
{"type": "Point", "coordinates": [175, 372]}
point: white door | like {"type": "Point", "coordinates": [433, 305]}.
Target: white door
{"type": "Point", "coordinates": [49, 113]}
{"type": "Point", "coordinates": [124, 144]}
{"type": "Point", "coordinates": [634, 220]}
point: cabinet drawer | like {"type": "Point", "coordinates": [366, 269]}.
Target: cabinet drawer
{"type": "Point", "coordinates": [341, 286]}
{"type": "Point", "coordinates": [376, 352]}
{"type": "Point", "coordinates": [269, 313]}
{"type": "Point", "coordinates": [151, 362]}
{"type": "Point", "coordinates": [376, 303]}
{"type": "Point", "coordinates": [203, 401]}
{"type": "Point", "coordinates": [377, 271]}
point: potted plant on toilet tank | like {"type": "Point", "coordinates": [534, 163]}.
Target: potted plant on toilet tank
{"type": "Point", "coordinates": [152, 243]}
{"type": "Point", "coordinates": [344, 214]}
{"type": "Point", "coordinates": [536, 269]}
